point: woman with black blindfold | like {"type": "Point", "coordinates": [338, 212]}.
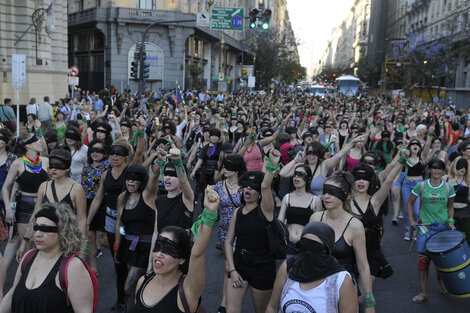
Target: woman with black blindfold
{"type": "Point", "coordinates": [298, 206]}
{"type": "Point", "coordinates": [135, 218]}
{"type": "Point", "coordinates": [64, 190]}
{"type": "Point", "coordinates": [29, 172]}
{"type": "Point", "coordinates": [230, 194]}
{"type": "Point", "coordinates": [97, 164]}
{"type": "Point", "coordinates": [111, 186]}
{"type": "Point", "coordinates": [251, 263]}
{"type": "Point", "coordinates": [385, 145]}
{"type": "Point", "coordinates": [366, 205]}
{"type": "Point", "coordinates": [73, 139]}
{"type": "Point", "coordinates": [350, 242]}
{"type": "Point", "coordinates": [436, 214]}
{"type": "Point", "coordinates": [459, 177]}
{"type": "Point", "coordinates": [311, 280]}
{"type": "Point", "coordinates": [172, 258]}
{"type": "Point", "coordinates": [36, 287]}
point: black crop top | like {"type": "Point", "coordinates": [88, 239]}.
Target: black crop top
{"type": "Point", "coordinates": [416, 170]}
{"type": "Point", "coordinates": [29, 182]}
{"type": "Point", "coordinates": [344, 253]}
{"type": "Point", "coordinates": [65, 200]}
{"type": "Point", "coordinates": [298, 215]}
{"type": "Point", "coordinates": [461, 193]}
{"type": "Point", "coordinates": [139, 220]}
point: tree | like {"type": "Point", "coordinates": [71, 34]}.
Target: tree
{"type": "Point", "coordinates": [194, 72]}
{"type": "Point", "coordinates": [276, 56]}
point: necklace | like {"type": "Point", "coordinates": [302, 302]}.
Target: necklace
{"type": "Point", "coordinates": [231, 185]}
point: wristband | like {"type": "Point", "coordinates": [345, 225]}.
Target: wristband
{"type": "Point", "coordinates": [271, 168]}
{"type": "Point", "coordinates": [139, 134]}
{"type": "Point", "coordinates": [369, 299]}
{"type": "Point", "coordinates": [179, 166]}
{"type": "Point", "coordinates": [115, 247]}
{"type": "Point", "coordinates": [162, 164]}
{"type": "Point", "coordinates": [169, 143]}
{"type": "Point", "coordinates": [26, 239]}
{"type": "Point", "coordinates": [38, 133]}
{"type": "Point", "coordinates": [450, 221]}
{"type": "Point", "coordinates": [230, 272]}
{"type": "Point", "coordinates": [207, 217]}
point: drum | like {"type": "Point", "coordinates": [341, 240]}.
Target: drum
{"type": "Point", "coordinates": [451, 256]}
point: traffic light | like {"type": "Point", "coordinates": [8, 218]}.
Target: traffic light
{"type": "Point", "coordinates": [135, 69]}
{"type": "Point", "coordinates": [253, 16]}
{"type": "Point", "coordinates": [266, 17]}
{"type": "Point", "coordinates": [145, 65]}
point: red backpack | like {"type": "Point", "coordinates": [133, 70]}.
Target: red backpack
{"type": "Point", "coordinates": [64, 263]}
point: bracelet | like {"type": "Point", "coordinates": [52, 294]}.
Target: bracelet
{"type": "Point", "coordinates": [230, 272]}
{"type": "Point", "coordinates": [169, 143]}
{"type": "Point", "coordinates": [271, 168]}
{"type": "Point", "coordinates": [369, 299]}
{"type": "Point", "coordinates": [450, 221]}
{"type": "Point", "coordinates": [207, 217]}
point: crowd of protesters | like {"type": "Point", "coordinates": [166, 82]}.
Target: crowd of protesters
{"type": "Point", "coordinates": [125, 173]}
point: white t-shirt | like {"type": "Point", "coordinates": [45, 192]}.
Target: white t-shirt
{"type": "Point", "coordinates": [32, 109]}
{"type": "Point", "coordinates": [313, 300]}
{"type": "Point", "coordinates": [79, 158]}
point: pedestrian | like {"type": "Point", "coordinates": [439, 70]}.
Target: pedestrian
{"type": "Point", "coordinates": [73, 140]}
{"type": "Point", "coordinates": [313, 280]}
{"type": "Point", "coordinates": [29, 171]}
{"type": "Point", "coordinates": [177, 268]}
{"type": "Point", "coordinates": [459, 177]}
{"type": "Point", "coordinates": [97, 164]}
{"type": "Point", "coordinates": [45, 115]}
{"type": "Point", "coordinates": [57, 235]}
{"type": "Point", "coordinates": [436, 213]}
{"type": "Point", "coordinates": [350, 248]}
{"type": "Point", "coordinates": [32, 107]}
{"type": "Point", "coordinates": [250, 264]}
{"type": "Point", "coordinates": [7, 115]}
{"type": "Point", "coordinates": [230, 193]}
{"type": "Point", "coordinates": [136, 216]}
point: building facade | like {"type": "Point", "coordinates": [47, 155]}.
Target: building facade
{"type": "Point", "coordinates": [349, 41]}
{"type": "Point", "coordinates": [103, 37]}
{"type": "Point", "coordinates": [26, 28]}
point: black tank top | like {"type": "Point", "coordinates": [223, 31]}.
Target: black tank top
{"type": "Point", "coordinates": [47, 298]}
{"type": "Point", "coordinates": [298, 215]}
{"type": "Point", "coordinates": [173, 212]}
{"type": "Point", "coordinates": [416, 170]}
{"type": "Point", "coordinates": [168, 304]}
{"type": "Point", "coordinates": [113, 188]}
{"type": "Point", "coordinates": [250, 230]}
{"type": "Point", "coordinates": [65, 200]}
{"type": "Point", "coordinates": [372, 224]}
{"type": "Point", "coordinates": [29, 182]}
{"type": "Point", "coordinates": [343, 252]}
{"type": "Point", "coordinates": [461, 194]}
{"type": "Point", "coordinates": [140, 220]}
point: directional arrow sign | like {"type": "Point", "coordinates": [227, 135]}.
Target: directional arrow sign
{"type": "Point", "coordinates": [227, 18]}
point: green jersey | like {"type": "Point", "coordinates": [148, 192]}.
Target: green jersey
{"type": "Point", "coordinates": [434, 201]}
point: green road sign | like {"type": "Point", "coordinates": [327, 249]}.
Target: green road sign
{"type": "Point", "coordinates": [227, 18]}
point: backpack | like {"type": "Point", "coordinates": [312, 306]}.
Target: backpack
{"type": "Point", "coordinates": [278, 236]}
{"type": "Point", "coordinates": [64, 263]}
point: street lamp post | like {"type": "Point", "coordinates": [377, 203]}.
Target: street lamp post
{"type": "Point", "coordinates": [221, 62]}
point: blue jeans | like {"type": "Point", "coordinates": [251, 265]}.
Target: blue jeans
{"type": "Point", "coordinates": [406, 189]}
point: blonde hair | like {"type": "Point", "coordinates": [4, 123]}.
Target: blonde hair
{"type": "Point", "coordinates": [453, 171]}
{"type": "Point", "coordinates": [70, 235]}
{"type": "Point", "coordinates": [125, 144]}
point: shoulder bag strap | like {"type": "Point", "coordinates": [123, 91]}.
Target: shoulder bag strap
{"type": "Point", "coordinates": [183, 296]}
{"type": "Point", "coordinates": [54, 193]}
{"type": "Point", "coordinates": [27, 258]}
{"type": "Point", "coordinates": [229, 195]}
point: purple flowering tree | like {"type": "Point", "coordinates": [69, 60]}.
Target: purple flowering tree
{"type": "Point", "coordinates": [426, 60]}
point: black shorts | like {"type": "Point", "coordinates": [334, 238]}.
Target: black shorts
{"type": "Point", "coordinates": [97, 224]}
{"type": "Point", "coordinates": [259, 271]}
{"type": "Point", "coordinates": [24, 208]}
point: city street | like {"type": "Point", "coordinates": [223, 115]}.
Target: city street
{"type": "Point", "coordinates": [392, 295]}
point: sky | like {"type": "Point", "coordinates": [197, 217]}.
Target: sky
{"type": "Point", "coordinates": [313, 22]}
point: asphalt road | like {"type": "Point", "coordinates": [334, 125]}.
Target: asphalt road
{"type": "Point", "coordinates": [393, 294]}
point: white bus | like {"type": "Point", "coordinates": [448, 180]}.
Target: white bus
{"type": "Point", "coordinates": [348, 85]}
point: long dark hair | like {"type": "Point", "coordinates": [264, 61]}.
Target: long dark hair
{"type": "Point", "coordinates": [183, 240]}
{"type": "Point", "coordinates": [345, 181]}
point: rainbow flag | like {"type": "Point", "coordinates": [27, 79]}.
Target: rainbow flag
{"type": "Point", "coordinates": [178, 95]}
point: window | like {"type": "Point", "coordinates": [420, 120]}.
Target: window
{"type": "Point", "coordinates": [147, 4]}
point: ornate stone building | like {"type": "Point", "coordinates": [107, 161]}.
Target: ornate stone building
{"type": "Point", "coordinates": [44, 43]}
{"type": "Point", "coordinates": [103, 34]}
